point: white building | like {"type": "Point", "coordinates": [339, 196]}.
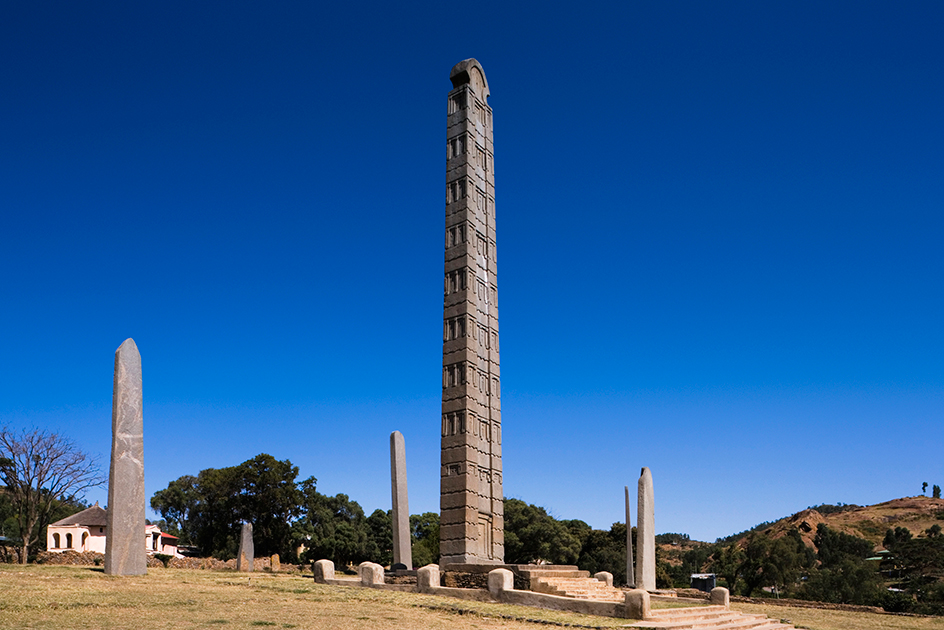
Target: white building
{"type": "Point", "coordinates": [86, 531]}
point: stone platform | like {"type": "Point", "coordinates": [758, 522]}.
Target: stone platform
{"type": "Point", "coordinates": [476, 575]}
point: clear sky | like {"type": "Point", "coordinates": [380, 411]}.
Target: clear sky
{"type": "Point", "coordinates": [719, 236]}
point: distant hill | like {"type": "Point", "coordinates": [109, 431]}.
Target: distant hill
{"type": "Point", "coordinates": [869, 522]}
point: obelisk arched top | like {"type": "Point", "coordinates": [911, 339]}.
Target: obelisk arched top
{"type": "Point", "coordinates": [470, 71]}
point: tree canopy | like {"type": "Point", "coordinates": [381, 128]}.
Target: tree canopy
{"type": "Point", "coordinates": [206, 510]}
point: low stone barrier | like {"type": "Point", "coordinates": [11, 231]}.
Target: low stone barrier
{"type": "Point", "coordinates": [500, 589]}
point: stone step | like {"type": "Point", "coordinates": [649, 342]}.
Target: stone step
{"type": "Point", "coordinates": [577, 588]}
{"type": "Point", "coordinates": [690, 611]}
{"type": "Point", "coordinates": [729, 620]}
{"type": "Point", "coordinates": [560, 573]}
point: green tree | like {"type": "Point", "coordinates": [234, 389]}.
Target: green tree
{"type": "Point", "coordinates": [833, 546]}
{"type": "Point", "coordinates": [531, 535]}
{"type": "Point", "coordinates": [844, 576]}
{"type": "Point", "coordinates": [42, 471]}
{"type": "Point", "coordinates": [207, 509]}
{"type": "Point", "coordinates": [936, 491]}
{"type": "Point", "coordinates": [603, 550]}
{"type": "Point", "coordinates": [778, 562]}
{"type": "Point", "coordinates": [333, 528]}
{"type": "Point", "coordinates": [380, 537]}
{"type": "Point", "coordinates": [726, 562]}
{"type": "Point", "coordinates": [424, 532]}
{"type": "Point", "coordinates": [924, 487]}
{"type": "Point", "coordinates": [847, 580]}
{"type": "Point", "coordinates": [919, 564]}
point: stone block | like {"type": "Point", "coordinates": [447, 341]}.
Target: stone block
{"type": "Point", "coordinates": [638, 604]}
{"type": "Point", "coordinates": [500, 580]}
{"type": "Point", "coordinates": [275, 565]}
{"type": "Point", "coordinates": [604, 576]}
{"type": "Point", "coordinates": [427, 578]}
{"type": "Point", "coordinates": [323, 570]}
{"type": "Point", "coordinates": [720, 597]}
{"type": "Point", "coordinates": [370, 573]}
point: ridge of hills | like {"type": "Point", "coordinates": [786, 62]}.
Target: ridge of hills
{"type": "Point", "coordinates": [870, 522]}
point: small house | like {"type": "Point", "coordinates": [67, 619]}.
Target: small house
{"type": "Point", "coordinates": [87, 531]}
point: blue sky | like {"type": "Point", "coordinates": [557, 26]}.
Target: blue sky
{"type": "Point", "coordinates": [719, 237]}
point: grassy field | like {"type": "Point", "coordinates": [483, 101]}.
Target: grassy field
{"type": "Point", "coordinates": [84, 597]}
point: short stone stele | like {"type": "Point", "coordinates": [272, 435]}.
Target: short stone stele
{"type": "Point", "coordinates": [124, 548]}
{"type": "Point", "coordinates": [247, 550]}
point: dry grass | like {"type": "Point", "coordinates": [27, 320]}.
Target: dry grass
{"type": "Point", "coordinates": [816, 619]}
{"type": "Point", "coordinates": [84, 597]}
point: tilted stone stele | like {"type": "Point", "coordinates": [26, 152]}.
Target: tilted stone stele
{"type": "Point", "coordinates": [630, 574]}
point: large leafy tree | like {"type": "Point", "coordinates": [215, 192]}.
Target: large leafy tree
{"type": "Point", "coordinates": [603, 550]}
{"type": "Point", "coordinates": [531, 534]}
{"type": "Point", "coordinates": [918, 561]}
{"type": "Point", "coordinates": [42, 470]}
{"type": "Point", "coordinates": [844, 576]}
{"type": "Point", "coordinates": [424, 532]}
{"type": "Point", "coordinates": [778, 562]}
{"type": "Point", "coordinates": [727, 562]}
{"type": "Point", "coordinates": [380, 537]}
{"type": "Point", "coordinates": [207, 509]}
{"type": "Point", "coordinates": [332, 528]}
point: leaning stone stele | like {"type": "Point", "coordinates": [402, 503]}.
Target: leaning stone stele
{"type": "Point", "coordinates": [402, 549]}
{"type": "Point", "coordinates": [247, 549]}
{"type": "Point", "coordinates": [471, 499]}
{"type": "Point", "coordinates": [645, 535]}
{"type": "Point", "coordinates": [630, 575]}
{"type": "Point", "coordinates": [124, 543]}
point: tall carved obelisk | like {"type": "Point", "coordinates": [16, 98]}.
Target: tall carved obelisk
{"type": "Point", "coordinates": [471, 509]}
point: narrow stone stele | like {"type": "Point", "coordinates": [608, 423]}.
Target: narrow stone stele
{"type": "Point", "coordinates": [124, 549]}
{"type": "Point", "coordinates": [630, 575]}
{"type": "Point", "coordinates": [247, 550]}
{"type": "Point", "coordinates": [645, 534]}
{"type": "Point", "coordinates": [402, 551]}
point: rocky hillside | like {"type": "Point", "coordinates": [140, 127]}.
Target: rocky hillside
{"type": "Point", "coordinates": [870, 522]}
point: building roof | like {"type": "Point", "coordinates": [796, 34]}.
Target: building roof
{"type": "Point", "coordinates": [89, 517]}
